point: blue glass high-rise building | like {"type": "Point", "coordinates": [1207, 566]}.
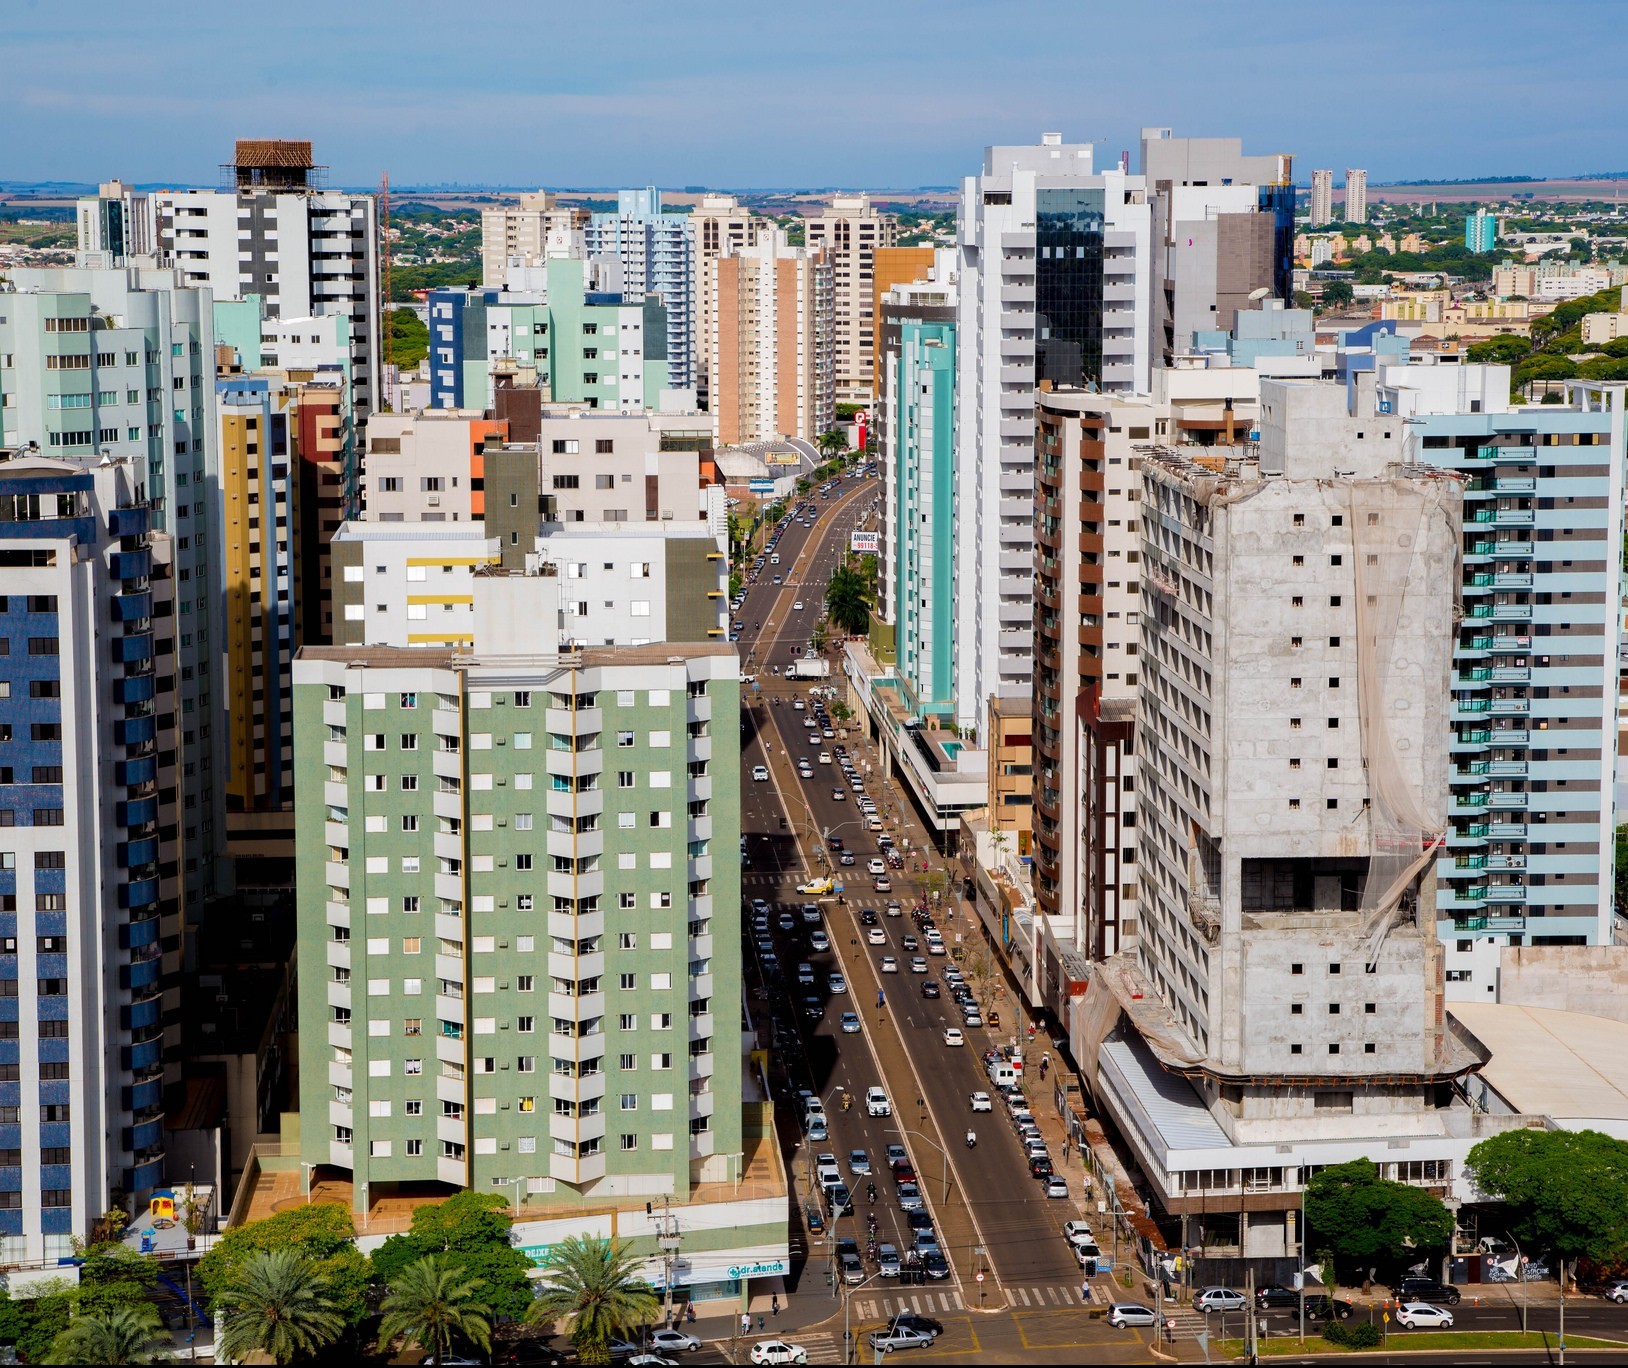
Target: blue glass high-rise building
{"type": "Point", "coordinates": [655, 255]}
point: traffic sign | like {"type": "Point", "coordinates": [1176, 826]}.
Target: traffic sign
{"type": "Point", "coordinates": [980, 1276]}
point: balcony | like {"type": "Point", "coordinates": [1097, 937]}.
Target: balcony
{"type": "Point", "coordinates": [1511, 674]}
{"type": "Point", "coordinates": [1505, 707]}
{"type": "Point", "coordinates": [138, 894]}
{"type": "Point", "coordinates": [1508, 800]}
{"type": "Point", "coordinates": [130, 565]}
{"type": "Point", "coordinates": [141, 931]}
{"type": "Point", "coordinates": [141, 973]}
{"type": "Point", "coordinates": [133, 689]}
{"type": "Point", "coordinates": [577, 1170]}
{"type": "Point", "coordinates": [1507, 769]}
{"type": "Point", "coordinates": [147, 1091]}
{"type": "Point", "coordinates": [143, 1056]}
{"type": "Point", "coordinates": [1469, 834]}
{"type": "Point", "coordinates": [147, 1172]}
{"type": "Point", "coordinates": [1507, 455]}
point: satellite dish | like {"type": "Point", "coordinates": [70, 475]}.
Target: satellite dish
{"type": "Point", "coordinates": [1265, 292]}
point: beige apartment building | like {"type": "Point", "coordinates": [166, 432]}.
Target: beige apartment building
{"type": "Point", "coordinates": [771, 361]}
{"type": "Point", "coordinates": [529, 232]}
{"type": "Point", "coordinates": [851, 230]}
{"type": "Point", "coordinates": [718, 224]}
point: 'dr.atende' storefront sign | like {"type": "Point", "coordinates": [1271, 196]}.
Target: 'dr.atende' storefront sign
{"type": "Point", "coordinates": [763, 1268]}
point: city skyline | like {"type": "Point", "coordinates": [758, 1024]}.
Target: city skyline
{"type": "Point", "coordinates": [883, 94]}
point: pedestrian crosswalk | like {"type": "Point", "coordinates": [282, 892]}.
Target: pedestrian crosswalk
{"type": "Point", "coordinates": [1046, 1296]}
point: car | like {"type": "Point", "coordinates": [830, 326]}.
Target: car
{"type": "Point", "coordinates": [876, 1103]}
{"type": "Point", "coordinates": [887, 1260]}
{"type": "Point", "coordinates": [885, 1341]}
{"type": "Point", "coordinates": [815, 886]}
{"type": "Point", "coordinates": [1275, 1294]}
{"type": "Point", "coordinates": [819, 941]}
{"type": "Point", "coordinates": [816, 1129]}
{"type": "Point", "coordinates": [1427, 1290]}
{"type": "Point", "coordinates": [826, 1169]}
{"type": "Point", "coordinates": [894, 1152]}
{"type": "Point", "coordinates": [813, 1007]}
{"type": "Point", "coordinates": [867, 917]}
{"type": "Point", "coordinates": [909, 1320]}
{"type": "Point", "coordinates": [804, 770]}
{"type": "Point", "coordinates": [859, 1163]}
{"type": "Point", "coordinates": [851, 1268]}
{"type": "Point", "coordinates": [909, 1197]}
{"type": "Point", "coordinates": [825, 757]}
{"type": "Point", "coordinates": [876, 936]}
{"type": "Point", "coordinates": [846, 859]}
{"type": "Point", "coordinates": [1423, 1315]}
{"type": "Point", "coordinates": [797, 703]}
{"type": "Point", "coordinates": [644, 1360]}
{"type": "Point", "coordinates": [777, 579]}
{"type": "Point", "coordinates": [884, 885]}
{"type": "Point", "coordinates": [777, 1352]}
{"type": "Point", "coordinates": [797, 606]}
{"type": "Point", "coordinates": [670, 1341]}
{"type": "Point", "coordinates": [1124, 1315]}
{"type": "Point", "coordinates": [787, 921]}
{"type": "Point", "coordinates": [850, 1023]}
{"type": "Point", "coordinates": [1219, 1299]}
{"type": "Point", "coordinates": [918, 965]}
{"type": "Point", "coordinates": [827, 733]}
{"type": "Point", "coordinates": [981, 1102]}
{"type": "Point", "coordinates": [874, 867]}
{"type": "Point", "coordinates": [1078, 1233]}
{"type": "Point", "coordinates": [838, 1199]}
{"type": "Point", "coordinates": [890, 965]}
{"type": "Point", "coordinates": [1040, 1167]}
{"type": "Point", "coordinates": [935, 1264]}
{"type": "Point", "coordinates": [1056, 1187]}
{"type": "Point", "coordinates": [1322, 1307]}
{"type": "Point", "coordinates": [953, 1036]}
{"type": "Point", "coordinates": [839, 795]}
{"type": "Point", "coordinates": [972, 1017]}
{"type": "Point", "coordinates": [930, 988]}
{"type": "Point", "coordinates": [910, 943]}
{"type": "Point", "coordinates": [893, 909]}
{"type": "Point", "coordinates": [760, 774]}
{"type": "Point", "coordinates": [1617, 1292]}
{"type": "Point", "coordinates": [834, 983]}
{"type": "Point", "coordinates": [811, 914]}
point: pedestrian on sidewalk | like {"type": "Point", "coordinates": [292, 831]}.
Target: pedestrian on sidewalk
{"type": "Point", "coordinates": [774, 1304]}
{"type": "Point", "coordinates": [746, 1324]}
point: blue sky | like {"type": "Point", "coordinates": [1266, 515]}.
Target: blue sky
{"type": "Point", "coordinates": [882, 93]}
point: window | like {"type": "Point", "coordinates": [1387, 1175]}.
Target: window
{"type": "Point", "coordinates": [525, 1025]}
{"type": "Point", "coordinates": [624, 739]}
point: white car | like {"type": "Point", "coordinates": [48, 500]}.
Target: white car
{"type": "Point", "coordinates": [839, 795]}
{"type": "Point", "coordinates": [876, 936]}
{"type": "Point", "coordinates": [981, 1102]}
{"type": "Point", "coordinates": [760, 774]}
{"type": "Point", "coordinates": [953, 1036]}
{"type": "Point", "coordinates": [1056, 1187]}
{"type": "Point", "coordinates": [889, 965]}
{"type": "Point", "coordinates": [797, 703]}
{"type": "Point", "coordinates": [1121, 1315]}
{"type": "Point", "coordinates": [876, 1103]}
{"type": "Point", "coordinates": [778, 1351]}
{"type": "Point", "coordinates": [825, 757]}
{"type": "Point", "coordinates": [797, 606]}
{"type": "Point", "coordinates": [669, 1340]}
{"type": "Point", "coordinates": [1417, 1315]}
{"type": "Point", "coordinates": [826, 1169]}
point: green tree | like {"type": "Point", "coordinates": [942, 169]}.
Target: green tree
{"type": "Point", "coordinates": [597, 1287]}
{"type": "Point", "coordinates": [1367, 1220]}
{"type": "Point", "coordinates": [33, 1323]}
{"type": "Point", "coordinates": [277, 1303]}
{"type": "Point", "coordinates": [432, 1302]}
{"type": "Point", "coordinates": [1566, 1192]}
{"type": "Point", "coordinates": [473, 1227]}
{"type": "Point", "coordinates": [409, 337]}
{"type": "Point", "coordinates": [112, 1276]}
{"type": "Point", "coordinates": [1337, 293]}
{"type": "Point", "coordinates": [1500, 351]}
{"type": "Point", "coordinates": [832, 443]}
{"type": "Point", "coordinates": [125, 1334]}
{"type": "Point", "coordinates": [322, 1233]}
{"type": "Point", "coordinates": [848, 600]}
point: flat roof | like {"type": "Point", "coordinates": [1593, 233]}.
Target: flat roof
{"type": "Point", "coordinates": [1545, 1062]}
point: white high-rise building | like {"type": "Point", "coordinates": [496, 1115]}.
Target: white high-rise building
{"type": "Point", "coordinates": [652, 252]}
{"type": "Point", "coordinates": [1322, 198]}
{"type": "Point", "coordinates": [1055, 285]}
{"type": "Point", "coordinates": [307, 252]}
{"type": "Point", "coordinates": [114, 224]}
{"type": "Point", "coordinates": [527, 234]}
{"type": "Point", "coordinates": [1356, 196]}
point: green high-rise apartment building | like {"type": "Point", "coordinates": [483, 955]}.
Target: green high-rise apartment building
{"type": "Point", "coordinates": [519, 956]}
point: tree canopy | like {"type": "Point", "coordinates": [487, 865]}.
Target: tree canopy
{"type": "Point", "coordinates": [433, 1303]}
{"type": "Point", "coordinates": [473, 1228]}
{"type": "Point", "coordinates": [848, 600]}
{"type": "Point", "coordinates": [1566, 1191]}
{"type": "Point", "coordinates": [322, 1233]}
{"type": "Point", "coordinates": [1366, 1220]}
{"type": "Point", "coordinates": [409, 337]}
{"type": "Point", "coordinates": [598, 1287]}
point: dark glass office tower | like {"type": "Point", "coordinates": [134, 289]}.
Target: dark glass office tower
{"type": "Point", "coordinates": [1068, 286]}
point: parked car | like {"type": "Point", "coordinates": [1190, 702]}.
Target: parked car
{"type": "Point", "coordinates": [1323, 1307]}
{"type": "Point", "coordinates": [1427, 1290]}
{"type": "Point", "coordinates": [669, 1341]}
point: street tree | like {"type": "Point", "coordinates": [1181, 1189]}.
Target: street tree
{"type": "Point", "coordinates": [848, 601]}
{"type": "Point", "coordinates": [1566, 1191]}
{"type": "Point", "coordinates": [322, 1233]}
{"type": "Point", "coordinates": [433, 1302]}
{"type": "Point", "coordinates": [473, 1228]}
{"type": "Point", "coordinates": [1365, 1220]}
{"type": "Point", "coordinates": [277, 1303]}
{"type": "Point", "coordinates": [598, 1288]}
{"type": "Point", "coordinates": [126, 1334]}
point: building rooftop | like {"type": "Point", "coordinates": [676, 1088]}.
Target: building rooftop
{"type": "Point", "coordinates": [1568, 1066]}
{"type": "Point", "coordinates": [425, 657]}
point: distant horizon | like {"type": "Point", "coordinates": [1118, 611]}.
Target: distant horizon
{"type": "Point", "coordinates": [908, 92]}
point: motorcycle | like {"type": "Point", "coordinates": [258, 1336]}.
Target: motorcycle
{"type": "Point", "coordinates": [972, 1139]}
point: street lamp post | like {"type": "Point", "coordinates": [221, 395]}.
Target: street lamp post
{"type": "Point", "coordinates": [308, 1172]}
{"type": "Point", "coordinates": [944, 1159]}
{"type": "Point", "coordinates": [515, 1184]}
{"type": "Point", "coordinates": [847, 1306]}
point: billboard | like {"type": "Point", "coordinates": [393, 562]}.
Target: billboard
{"type": "Point", "coordinates": [760, 486]}
{"type": "Point", "coordinates": [784, 457]}
{"type": "Point", "coordinates": [865, 543]}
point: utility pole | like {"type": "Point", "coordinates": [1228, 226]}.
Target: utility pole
{"type": "Point", "coordinates": [1251, 1352]}
{"type": "Point", "coordinates": [1561, 1359]}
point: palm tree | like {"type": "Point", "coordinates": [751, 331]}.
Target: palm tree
{"type": "Point", "coordinates": [431, 1302]}
{"type": "Point", "coordinates": [848, 601]}
{"type": "Point", "coordinates": [277, 1303]}
{"type": "Point", "coordinates": [597, 1285]}
{"type": "Point", "coordinates": [128, 1334]}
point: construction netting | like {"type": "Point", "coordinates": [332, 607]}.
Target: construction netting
{"type": "Point", "coordinates": [1401, 637]}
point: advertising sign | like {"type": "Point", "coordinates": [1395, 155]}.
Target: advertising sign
{"type": "Point", "coordinates": [865, 543]}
